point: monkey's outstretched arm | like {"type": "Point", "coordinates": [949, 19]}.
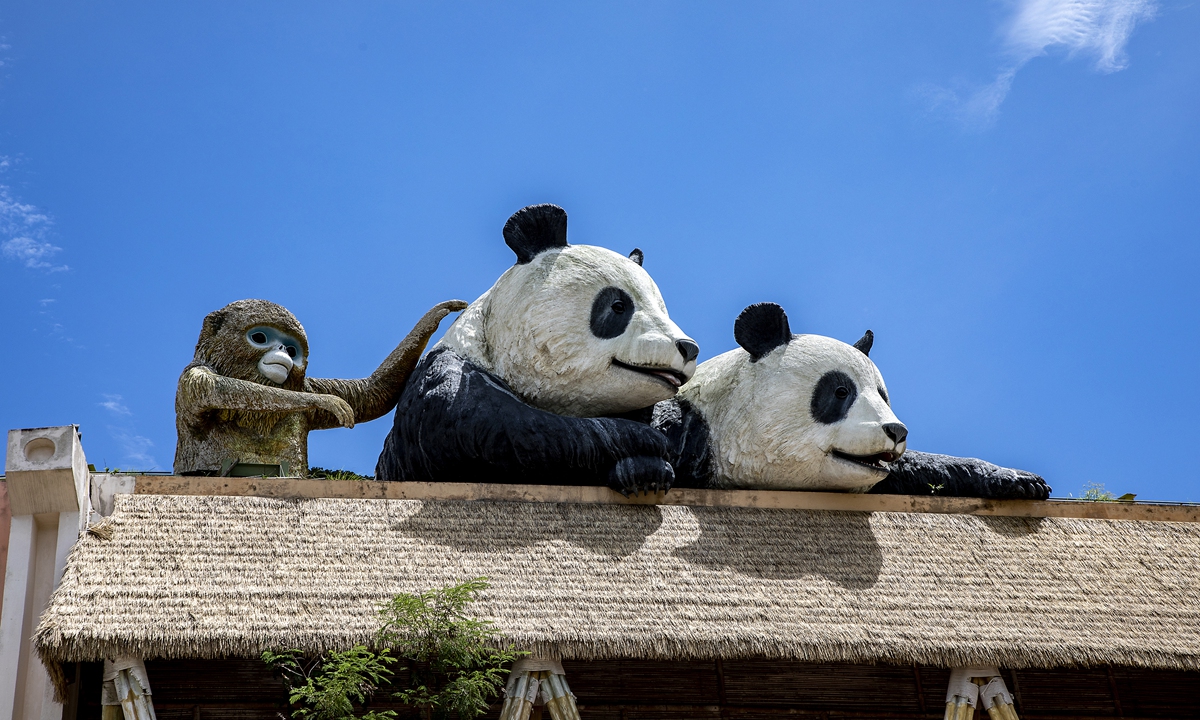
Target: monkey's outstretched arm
{"type": "Point", "coordinates": [201, 389]}
{"type": "Point", "coordinates": [374, 396]}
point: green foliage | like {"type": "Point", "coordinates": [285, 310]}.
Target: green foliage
{"type": "Point", "coordinates": [935, 489]}
{"type": "Point", "coordinates": [1095, 491]}
{"type": "Point", "coordinates": [456, 667]}
{"type": "Point", "coordinates": [453, 664]}
{"type": "Point", "coordinates": [328, 687]}
{"type": "Point", "coordinates": [320, 472]}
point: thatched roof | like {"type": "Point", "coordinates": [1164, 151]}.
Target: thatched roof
{"type": "Point", "coordinates": [174, 576]}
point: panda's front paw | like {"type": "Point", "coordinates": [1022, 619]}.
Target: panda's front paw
{"type": "Point", "coordinates": [1014, 484]}
{"type": "Point", "coordinates": [633, 475]}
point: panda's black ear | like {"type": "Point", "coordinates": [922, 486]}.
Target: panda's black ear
{"type": "Point", "coordinates": [637, 256]}
{"type": "Point", "coordinates": [535, 229]}
{"type": "Point", "coordinates": [761, 328]}
{"type": "Point", "coordinates": [865, 342]}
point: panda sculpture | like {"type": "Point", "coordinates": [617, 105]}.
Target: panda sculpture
{"type": "Point", "coordinates": [806, 412]}
{"type": "Point", "coordinates": [530, 383]}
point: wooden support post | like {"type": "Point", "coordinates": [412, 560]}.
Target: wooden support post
{"type": "Point", "coordinates": [533, 679]}
{"type": "Point", "coordinates": [519, 695]}
{"type": "Point", "coordinates": [557, 697]}
{"type": "Point", "coordinates": [970, 686]}
{"type": "Point", "coordinates": [127, 687]}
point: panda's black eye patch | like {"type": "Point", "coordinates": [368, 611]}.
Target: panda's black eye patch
{"type": "Point", "coordinates": [611, 312]}
{"type": "Point", "coordinates": [832, 397]}
{"type": "Point", "coordinates": [259, 337]}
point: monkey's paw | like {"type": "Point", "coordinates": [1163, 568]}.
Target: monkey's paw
{"type": "Point", "coordinates": [339, 408]}
{"type": "Point", "coordinates": [633, 475]}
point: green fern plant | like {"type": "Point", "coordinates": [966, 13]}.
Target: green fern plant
{"type": "Point", "coordinates": [454, 666]}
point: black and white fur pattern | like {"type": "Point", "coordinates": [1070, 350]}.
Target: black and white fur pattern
{"type": "Point", "coordinates": [806, 412]}
{"type": "Point", "coordinates": [526, 384]}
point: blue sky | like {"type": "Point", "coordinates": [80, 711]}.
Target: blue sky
{"type": "Point", "coordinates": [1006, 193]}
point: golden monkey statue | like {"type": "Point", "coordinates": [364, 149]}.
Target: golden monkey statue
{"type": "Point", "coordinates": [244, 401]}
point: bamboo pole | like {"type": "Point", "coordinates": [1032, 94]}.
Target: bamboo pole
{"type": "Point", "coordinates": [519, 694]}
{"type": "Point", "coordinates": [962, 694]}
{"type": "Point", "coordinates": [996, 699]}
{"type": "Point", "coordinates": [558, 698]}
{"type": "Point", "coordinates": [125, 691]}
{"type": "Point", "coordinates": [135, 701]}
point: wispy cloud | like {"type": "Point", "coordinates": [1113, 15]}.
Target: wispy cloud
{"type": "Point", "coordinates": [33, 253]}
{"type": "Point", "coordinates": [1096, 28]}
{"type": "Point", "coordinates": [114, 404]}
{"type": "Point", "coordinates": [135, 448]}
{"type": "Point", "coordinates": [25, 231]}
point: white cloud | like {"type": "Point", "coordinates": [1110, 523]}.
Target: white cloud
{"type": "Point", "coordinates": [1097, 28]}
{"type": "Point", "coordinates": [26, 229]}
{"type": "Point", "coordinates": [113, 404]}
{"type": "Point", "coordinates": [34, 253]}
{"type": "Point", "coordinates": [135, 449]}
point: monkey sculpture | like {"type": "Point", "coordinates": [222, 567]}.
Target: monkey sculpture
{"type": "Point", "coordinates": [245, 401]}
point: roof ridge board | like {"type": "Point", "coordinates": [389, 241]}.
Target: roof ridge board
{"type": "Point", "coordinates": [301, 488]}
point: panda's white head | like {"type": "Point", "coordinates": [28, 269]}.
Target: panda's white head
{"type": "Point", "coordinates": [574, 329]}
{"type": "Point", "coordinates": [795, 411]}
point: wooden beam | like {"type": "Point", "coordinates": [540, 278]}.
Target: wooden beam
{"type": "Point", "coordinates": [778, 499]}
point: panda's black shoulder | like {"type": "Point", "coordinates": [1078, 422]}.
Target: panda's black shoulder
{"type": "Point", "coordinates": [688, 435]}
{"type": "Point", "coordinates": [443, 372]}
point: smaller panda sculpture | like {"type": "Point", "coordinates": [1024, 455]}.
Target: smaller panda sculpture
{"type": "Point", "coordinates": [549, 377]}
{"type": "Point", "coordinates": [806, 412]}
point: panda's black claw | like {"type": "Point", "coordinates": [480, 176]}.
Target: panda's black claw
{"type": "Point", "coordinates": [638, 476]}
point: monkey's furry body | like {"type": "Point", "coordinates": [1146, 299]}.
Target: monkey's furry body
{"type": "Point", "coordinates": [245, 397]}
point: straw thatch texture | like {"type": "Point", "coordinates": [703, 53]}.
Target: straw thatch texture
{"type": "Point", "coordinates": [230, 576]}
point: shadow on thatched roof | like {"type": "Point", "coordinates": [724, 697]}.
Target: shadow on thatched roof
{"type": "Point", "coordinates": [206, 577]}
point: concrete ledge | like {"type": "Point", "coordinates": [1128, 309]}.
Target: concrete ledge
{"type": "Point", "coordinates": [779, 499]}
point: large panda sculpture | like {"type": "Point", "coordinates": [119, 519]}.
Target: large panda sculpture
{"type": "Point", "coordinates": [806, 412]}
{"type": "Point", "coordinates": [528, 383]}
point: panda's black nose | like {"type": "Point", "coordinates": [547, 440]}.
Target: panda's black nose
{"type": "Point", "coordinates": [896, 431]}
{"type": "Point", "coordinates": [688, 349]}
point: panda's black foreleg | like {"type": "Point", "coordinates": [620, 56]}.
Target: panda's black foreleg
{"type": "Point", "coordinates": [643, 474]}
{"type": "Point", "coordinates": [918, 473]}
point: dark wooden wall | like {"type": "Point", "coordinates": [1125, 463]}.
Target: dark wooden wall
{"type": "Point", "coordinates": [749, 690]}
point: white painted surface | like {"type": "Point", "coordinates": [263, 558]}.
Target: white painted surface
{"type": "Point", "coordinates": [38, 700]}
{"type": "Point", "coordinates": [103, 488]}
{"type": "Point", "coordinates": [46, 470]}
{"type": "Point", "coordinates": [12, 623]}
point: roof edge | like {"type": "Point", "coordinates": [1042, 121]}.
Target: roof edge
{"type": "Point", "coordinates": [305, 488]}
{"type": "Point", "coordinates": [53, 647]}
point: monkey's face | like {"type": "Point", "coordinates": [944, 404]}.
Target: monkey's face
{"type": "Point", "coordinates": [280, 353]}
{"type": "Point", "coordinates": [257, 341]}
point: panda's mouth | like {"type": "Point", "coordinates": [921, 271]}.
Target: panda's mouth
{"type": "Point", "coordinates": [674, 378]}
{"type": "Point", "coordinates": [878, 461]}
